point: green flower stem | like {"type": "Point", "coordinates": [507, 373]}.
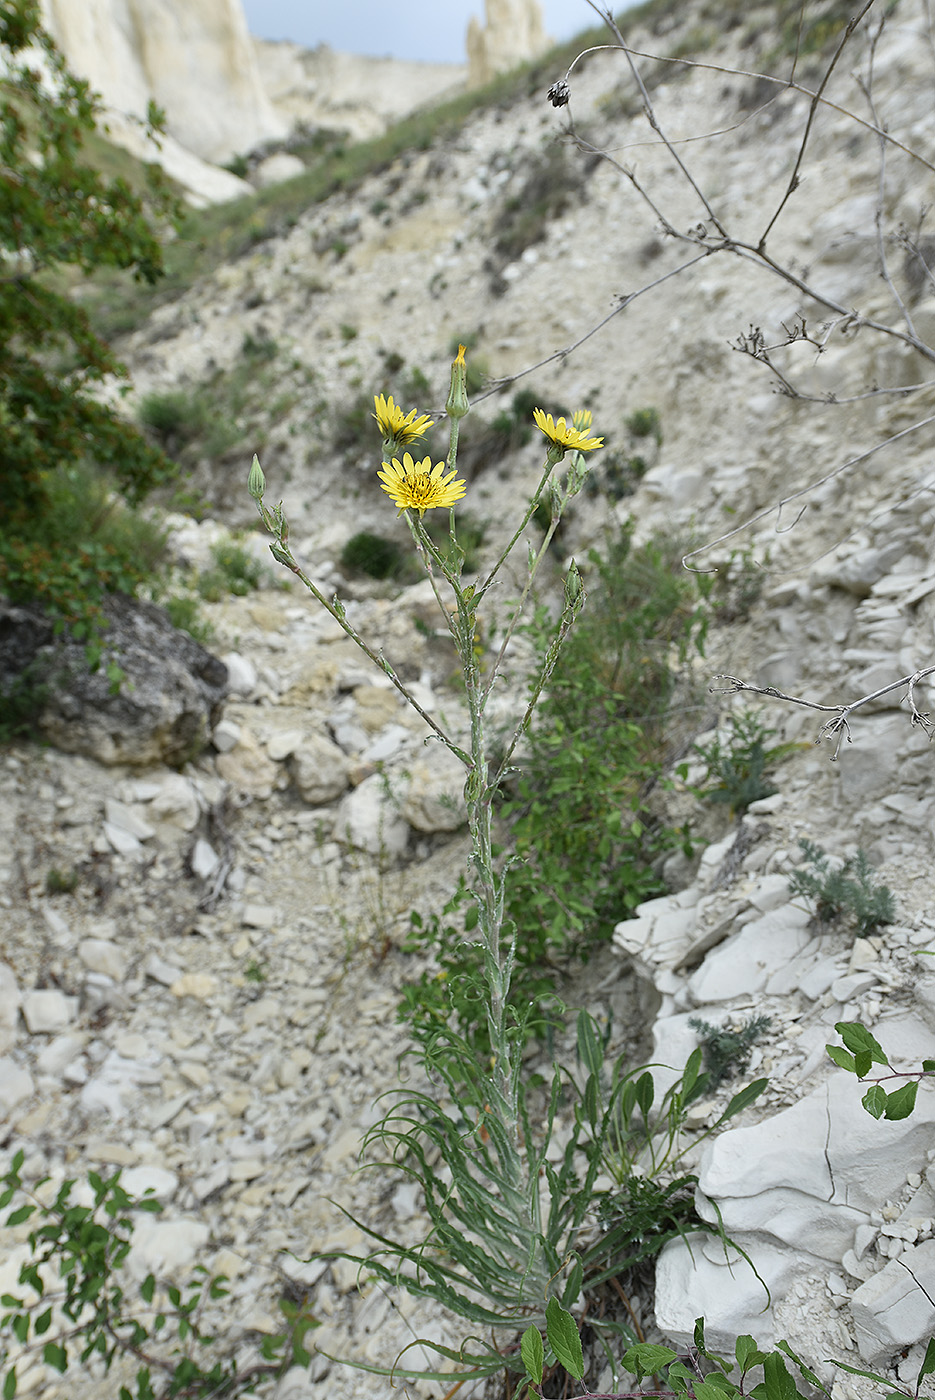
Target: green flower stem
{"type": "Point", "coordinates": [335, 608]}
{"type": "Point", "coordinates": [518, 611]}
{"type": "Point", "coordinates": [569, 615]}
{"type": "Point", "coordinates": [429, 554]}
{"type": "Point", "coordinates": [550, 462]}
{"type": "Point", "coordinates": [453, 443]}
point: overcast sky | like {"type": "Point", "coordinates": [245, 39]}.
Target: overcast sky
{"type": "Point", "coordinates": [426, 29]}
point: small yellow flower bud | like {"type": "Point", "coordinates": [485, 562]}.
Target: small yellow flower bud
{"type": "Point", "coordinates": [458, 405]}
{"type": "Point", "coordinates": [257, 482]}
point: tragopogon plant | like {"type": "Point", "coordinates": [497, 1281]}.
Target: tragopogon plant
{"type": "Point", "coordinates": [515, 1258]}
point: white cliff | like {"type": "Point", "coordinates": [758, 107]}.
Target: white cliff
{"type": "Point", "coordinates": [513, 32]}
{"type": "Point", "coordinates": [193, 58]}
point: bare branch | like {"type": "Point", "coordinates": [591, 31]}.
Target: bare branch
{"type": "Point", "coordinates": [813, 108]}
{"type": "Point", "coordinates": [838, 727]}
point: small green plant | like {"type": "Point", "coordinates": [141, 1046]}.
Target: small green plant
{"type": "Point", "coordinates": [255, 972]}
{"type": "Point", "coordinates": [374, 555]}
{"type": "Point", "coordinates": [737, 586]}
{"type": "Point", "coordinates": [726, 1049]}
{"type": "Point", "coordinates": [737, 767]}
{"type": "Point", "coordinates": [175, 418]}
{"type": "Point", "coordinates": [235, 571]}
{"type": "Point", "coordinates": [21, 702]}
{"type": "Point", "coordinates": [86, 1312]}
{"type": "Point", "coordinates": [849, 888]}
{"type": "Point", "coordinates": [185, 614]}
{"type": "Point", "coordinates": [645, 422]}
{"type": "Point", "coordinates": [61, 881]}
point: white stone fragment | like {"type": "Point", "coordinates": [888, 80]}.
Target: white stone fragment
{"type": "Point", "coordinates": [892, 1310]}
{"type": "Point", "coordinates": [205, 859]}
{"type": "Point", "coordinates": [16, 1084]}
{"type": "Point", "coordinates": [100, 955]}
{"type": "Point", "coordinates": [241, 673]}
{"type": "Point", "coordinates": [48, 1010]}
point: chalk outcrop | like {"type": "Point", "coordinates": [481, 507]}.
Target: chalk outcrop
{"type": "Point", "coordinates": [193, 58]}
{"type": "Point", "coordinates": [513, 32]}
{"type": "Point", "coordinates": [349, 92]}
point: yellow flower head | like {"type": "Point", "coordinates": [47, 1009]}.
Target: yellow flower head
{"type": "Point", "coordinates": [420, 486]}
{"type": "Point", "coordinates": [398, 428]}
{"type": "Point", "coordinates": [568, 435]}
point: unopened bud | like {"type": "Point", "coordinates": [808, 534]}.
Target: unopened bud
{"type": "Point", "coordinates": [574, 592]}
{"type": "Point", "coordinates": [458, 405]}
{"type": "Point", "coordinates": [257, 482]}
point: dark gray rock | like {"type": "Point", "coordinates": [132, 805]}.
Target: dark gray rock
{"type": "Point", "coordinates": [165, 707]}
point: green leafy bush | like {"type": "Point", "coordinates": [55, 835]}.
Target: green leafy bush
{"type": "Point", "coordinates": [645, 422]}
{"type": "Point", "coordinates": [185, 614]}
{"type": "Point", "coordinates": [584, 849]}
{"type": "Point", "coordinates": [61, 881]}
{"type": "Point", "coordinates": [849, 889]}
{"type": "Point", "coordinates": [726, 1049]}
{"type": "Point", "coordinates": [87, 1312]}
{"type": "Point", "coordinates": [374, 555]}
{"type": "Point", "coordinates": [235, 571]}
{"type": "Point", "coordinates": [59, 213]}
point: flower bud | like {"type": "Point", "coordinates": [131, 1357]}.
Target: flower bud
{"type": "Point", "coordinates": [257, 482]}
{"type": "Point", "coordinates": [457, 405]}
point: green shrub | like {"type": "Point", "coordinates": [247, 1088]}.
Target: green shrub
{"type": "Point", "coordinates": [73, 1302]}
{"type": "Point", "coordinates": [726, 1049]}
{"type": "Point", "coordinates": [21, 701]}
{"type": "Point", "coordinates": [584, 848]}
{"type": "Point", "coordinates": [737, 768]}
{"type": "Point", "coordinates": [374, 555]}
{"type": "Point", "coordinates": [72, 219]}
{"type": "Point", "coordinates": [83, 543]}
{"type": "Point", "coordinates": [61, 881]}
{"type": "Point", "coordinates": [185, 614]}
{"type": "Point", "coordinates": [645, 422]}
{"type": "Point", "coordinates": [235, 571]}
{"type": "Point", "coordinates": [849, 889]}
{"type": "Point", "coordinates": [175, 418]}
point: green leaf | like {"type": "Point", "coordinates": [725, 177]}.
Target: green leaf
{"type": "Point", "coordinates": [928, 1361]}
{"type": "Point", "coordinates": [645, 1359]}
{"type": "Point", "coordinates": [806, 1372]}
{"type": "Point", "coordinates": [901, 1102]}
{"type": "Point", "coordinates": [840, 1057]}
{"type": "Point", "coordinates": [148, 1288]}
{"type": "Point", "coordinates": [562, 1332]}
{"type": "Point", "coordinates": [533, 1354]}
{"type": "Point", "coordinates": [874, 1101]}
{"type": "Point", "coordinates": [744, 1098]}
{"type": "Point", "coordinates": [645, 1093]}
{"type": "Point", "coordinates": [863, 1062]}
{"type": "Point", "coordinates": [9, 1384]}
{"type": "Point", "coordinates": [43, 1322]}
{"type": "Point", "coordinates": [55, 1356]}
{"type": "Point", "coordinates": [589, 1045]}
{"type": "Point", "coordinates": [572, 1289]}
{"type": "Point", "coordinates": [857, 1038]}
{"type": "Point", "coordinates": [747, 1353]}
{"type": "Point", "coordinates": [16, 1217]}
{"type": "Point", "coordinates": [714, 1387]}
{"type": "Point", "coordinates": [779, 1384]}
{"type": "Point", "coordinates": [928, 1065]}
